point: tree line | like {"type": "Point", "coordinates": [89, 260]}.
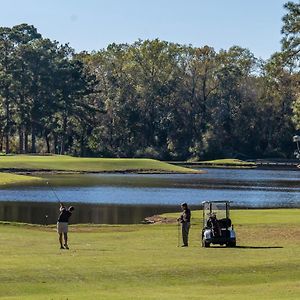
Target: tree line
{"type": "Point", "coordinates": [151, 98]}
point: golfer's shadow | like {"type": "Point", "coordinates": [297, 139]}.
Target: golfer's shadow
{"type": "Point", "coordinates": [259, 247]}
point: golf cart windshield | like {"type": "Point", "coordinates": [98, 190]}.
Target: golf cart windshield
{"type": "Point", "coordinates": [219, 208]}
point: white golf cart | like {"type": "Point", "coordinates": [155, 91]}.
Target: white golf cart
{"type": "Point", "coordinates": [217, 226]}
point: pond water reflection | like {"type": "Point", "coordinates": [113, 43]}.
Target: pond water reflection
{"type": "Point", "coordinates": [47, 213]}
{"type": "Point", "coordinates": [109, 197]}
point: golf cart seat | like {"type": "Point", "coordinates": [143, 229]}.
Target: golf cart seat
{"type": "Point", "coordinates": [224, 223]}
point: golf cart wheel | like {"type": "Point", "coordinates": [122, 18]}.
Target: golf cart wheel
{"type": "Point", "coordinates": [231, 244]}
{"type": "Point", "coordinates": [205, 244]}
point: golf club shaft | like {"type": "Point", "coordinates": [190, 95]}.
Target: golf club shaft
{"type": "Point", "coordinates": [53, 191]}
{"type": "Point", "coordinates": [178, 233]}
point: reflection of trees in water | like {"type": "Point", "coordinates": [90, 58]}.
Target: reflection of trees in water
{"type": "Point", "coordinates": [47, 213]}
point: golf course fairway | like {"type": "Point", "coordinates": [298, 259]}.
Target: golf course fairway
{"type": "Point", "coordinates": [144, 262]}
{"type": "Point", "coordinates": [9, 178]}
{"type": "Point", "coordinates": [36, 163]}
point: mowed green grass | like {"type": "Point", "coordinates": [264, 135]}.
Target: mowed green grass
{"type": "Point", "coordinates": [228, 161]}
{"type": "Point", "coordinates": [144, 262]}
{"type": "Point", "coordinates": [68, 163]}
{"type": "Point", "coordinates": [9, 178]}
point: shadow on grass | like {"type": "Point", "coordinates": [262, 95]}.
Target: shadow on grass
{"type": "Point", "coordinates": [259, 247]}
{"type": "Point", "coordinates": [248, 247]}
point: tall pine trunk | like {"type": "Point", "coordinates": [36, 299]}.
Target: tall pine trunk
{"type": "Point", "coordinates": [7, 125]}
{"type": "Point", "coordinates": [26, 142]}
{"type": "Point", "coordinates": [63, 136]}
{"type": "Point", "coordinates": [21, 140]}
{"type": "Point", "coordinates": [33, 140]}
{"type": "Point", "coordinates": [47, 143]}
{"type": "Point", "coordinates": [1, 141]}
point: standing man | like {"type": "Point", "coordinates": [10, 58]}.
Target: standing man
{"type": "Point", "coordinates": [185, 220]}
{"type": "Point", "coordinates": [62, 225]}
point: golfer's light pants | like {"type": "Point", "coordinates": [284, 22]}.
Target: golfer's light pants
{"type": "Point", "coordinates": [185, 232]}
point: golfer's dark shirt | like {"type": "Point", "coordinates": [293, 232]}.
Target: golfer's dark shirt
{"type": "Point", "coordinates": [64, 216]}
{"type": "Point", "coordinates": [186, 216]}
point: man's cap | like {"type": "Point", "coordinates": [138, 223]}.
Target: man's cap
{"type": "Point", "coordinates": [71, 208]}
{"type": "Point", "coordinates": [184, 204]}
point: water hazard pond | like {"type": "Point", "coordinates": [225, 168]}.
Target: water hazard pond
{"type": "Point", "coordinates": [128, 198]}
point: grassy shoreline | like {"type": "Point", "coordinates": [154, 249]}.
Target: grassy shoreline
{"type": "Point", "coordinates": [14, 179]}
{"type": "Point", "coordinates": [219, 163]}
{"type": "Point", "coordinates": [229, 163]}
{"type": "Point", "coordinates": [15, 169]}
{"type": "Point", "coordinates": [64, 163]}
{"type": "Point", "coordinates": [144, 262]}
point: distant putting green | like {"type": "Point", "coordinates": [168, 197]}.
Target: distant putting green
{"type": "Point", "coordinates": [227, 162]}
{"type": "Point", "coordinates": [76, 164]}
{"type": "Point", "coordinates": [144, 262]}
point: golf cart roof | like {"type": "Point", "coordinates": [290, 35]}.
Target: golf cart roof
{"type": "Point", "coordinates": [217, 201]}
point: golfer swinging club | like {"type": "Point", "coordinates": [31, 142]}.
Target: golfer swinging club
{"type": "Point", "coordinates": [185, 220]}
{"type": "Point", "coordinates": [62, 225]}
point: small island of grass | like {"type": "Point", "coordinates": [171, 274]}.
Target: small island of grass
{"type": "Point", "coordinates": [64, 163]}
{"type": "Point", "coordinates": [228, 162]}
{"type": "Point", "coordinates": [219, 163]}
